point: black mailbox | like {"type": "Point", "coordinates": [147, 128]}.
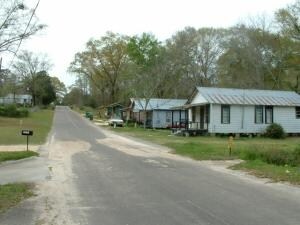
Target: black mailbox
{"type": "Point", "coordinates": [27, 132]}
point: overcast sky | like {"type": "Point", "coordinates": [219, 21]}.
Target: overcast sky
{"type": "Point", "coordinates": [71, 23]}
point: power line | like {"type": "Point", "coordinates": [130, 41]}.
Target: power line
{"type": "Point", "coordinates": [22, 37]}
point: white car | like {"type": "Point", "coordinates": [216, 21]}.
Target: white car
{"type": "Point", "coordinates": [115, 122]}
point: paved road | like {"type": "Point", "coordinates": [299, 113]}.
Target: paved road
{"type": "Point", "coordinates": [99, 179]}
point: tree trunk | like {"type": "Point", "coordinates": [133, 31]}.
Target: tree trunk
{"type": "Point", "coordinates": [33, 99]}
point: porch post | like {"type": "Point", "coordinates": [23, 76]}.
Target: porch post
{"type": "Point", "coordinates": [211, 130]}
{"type": "Point", "coordinates": [139, 116]}
{"type": "Point", "coordinates": [187, 119]}
{"type": "Point", "coordinates": [179, 118]}
{"type": "Point", "coordinates": [172, 119]}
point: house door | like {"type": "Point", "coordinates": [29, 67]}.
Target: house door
{"type": "Point", "coordinates": [149, 117]}
{"type": "Point", "coordinates": [202, 117]}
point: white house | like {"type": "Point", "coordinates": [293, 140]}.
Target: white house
{"type": "Point", "coordinates": [160, 113]}
{"type": "Point", "coordinates": [16, 99]}
{"type": "Point", "coordinates": [224, 110]}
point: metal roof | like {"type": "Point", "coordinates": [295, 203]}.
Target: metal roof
{"type": "Point", "coordinates": [157, 103]}
{"type": "Point", "coordinates": [114, 104]}
{"type": "Point", "coordinates": [249, 97]}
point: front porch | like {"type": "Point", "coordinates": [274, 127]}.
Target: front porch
{"type": "Point", "coordinates": [196, 122]}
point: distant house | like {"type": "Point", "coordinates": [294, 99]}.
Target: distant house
{"type": "Point", "coordinates": [159, 113]}
{"type": "Point", "coordinates": [16, 99]}
{"type": "Point", "coordinates": [224, 110]}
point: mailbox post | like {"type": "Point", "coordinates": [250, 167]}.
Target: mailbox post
{"type": "Point", "coordinates": [27, 133]}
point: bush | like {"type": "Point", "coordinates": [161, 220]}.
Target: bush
{"type": "Point", "coordinates": [277, 157]}
{"type": "Point", "coordinates": [13, 111]}
{"type": "Point", "coordinates": [2, 110]}
{"type": "Point", "coordinates": [23, 112]}
{"type": "Point", "coordinates": [273, 156]}
{"type": "Point", "coordinates": [275, 131]}
{"type": "Point", "coordinates": [296, 157]}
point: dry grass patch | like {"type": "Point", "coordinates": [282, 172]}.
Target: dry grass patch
{"type": "Point", "coordinates": [12, 194]}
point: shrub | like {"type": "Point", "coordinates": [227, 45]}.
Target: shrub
{"type": "Point", "coordinates": [275, 130]}
{"type": "Point", "coordinates": [13, 111]}
{"type": "Point", "coordinates": [277, 157]}
{"type": "Point", "coordinates": [2, 110]}
{"type": "Point", "coordinates": [295, 161]}
{"type": "Point", "coordinates": [273, 156]}
{"type": "Point", "coordinates": [23, 112]}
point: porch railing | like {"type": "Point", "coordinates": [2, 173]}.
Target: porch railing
{"type": "Point", "coordinates": [197, 126]}
{"type": "Point", "coordinates": [189, 125]}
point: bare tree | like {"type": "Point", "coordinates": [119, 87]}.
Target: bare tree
{"type": "Point", "coordinates": [28, 66]}
{"type": "Point", "coordinates": [17, 22]}
{"type": "Point", "coordinates": [195, 54]}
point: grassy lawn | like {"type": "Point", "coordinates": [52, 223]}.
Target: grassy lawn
{"type": "Point", "coordinates": [6, 156]}
{"type": "Point", "coordinates": [12, 194]}
{"type": "Point", "coordinates": [10, 134]}
{"type": "Point", "coordinates": [40, 122]}
{"type": "Point", "coordinates": [265, 170]}
{"type": "Point", "coordinates": [216, 148]}
{"type": "Point", "coordinates": [206, 147]}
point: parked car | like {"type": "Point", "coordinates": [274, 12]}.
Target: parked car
{"type": "Point", "coordinates": [116, 121]}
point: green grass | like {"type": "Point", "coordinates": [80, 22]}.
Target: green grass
{"type": "Point", "coordinates": [12, 194]}
{"type": "Point", "coordinates": [216, 148]}
{"type": "Point", "coordinates": [265, 170]}
{"type": "Point", "coordinates": [201, 151]}
{"type": "Point", "coordinates": [206, 147]}
{"type": "Point", "coordinates": [6, 156]}
{"type": "Point", "coordinates": [40, 122]}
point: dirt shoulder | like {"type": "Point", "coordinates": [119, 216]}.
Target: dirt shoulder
{"type": "Point", "coordinates": [15, 148]}
{"type": "Point", "coordinates": [142, 148]}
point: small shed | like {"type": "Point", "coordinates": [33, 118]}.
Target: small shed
{"type": "Point", "coordinates": [226, 110]}
{"type": "Point", "coordinates": [159, 113]}
{"type": "Point", "coordinates": [114, 110]}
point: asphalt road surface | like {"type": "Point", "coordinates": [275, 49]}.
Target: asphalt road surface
{"type": "Point", "coordinates": [99, 178]}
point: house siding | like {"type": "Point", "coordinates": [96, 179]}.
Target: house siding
{"type": "Point", "coordinates": [286, 116]}
{"type": "Point", "coordinates": [282, 115]}
{"type": "Point", "coordinates": [19, 99]}
{"type": "Point", "coordinates": [199, 99]}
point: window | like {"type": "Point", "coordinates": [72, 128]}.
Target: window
{"type": "Point", "coordinates": [225, 114]}
{"type": "Point", "coordinates": [269, 114]}
{"type": "Point", "coordinates": [259, 114]}
{"type": "Point", "coordinates": [168, 117]}
{"type": "Point", "coordinates": [298, 112]}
